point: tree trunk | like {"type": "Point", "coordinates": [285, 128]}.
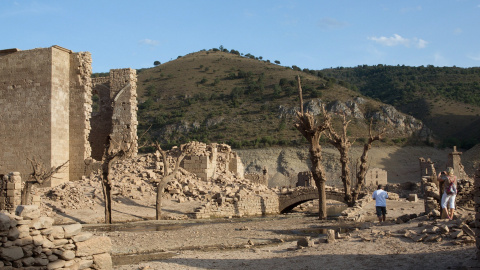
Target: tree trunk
{"type": "Point", "coordinates": [26, 193]}
{"type": "Point", "coordinates": [318, 174]}
{"type": "Point", "coordinates": [107, 195]}
{"type": "Point", "coordinates": [158, 205]}
{"type": "Point", "coordinates": [347, 185]}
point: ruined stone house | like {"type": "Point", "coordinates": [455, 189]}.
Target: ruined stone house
{"type": "Point", "coordinates": [46, 110]}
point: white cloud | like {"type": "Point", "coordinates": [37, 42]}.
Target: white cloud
{"type": "Point", "coordinates": [475, 57]}
{"type": "Point", "coordinates": [411, 9]}
{"type": "Point", "coordinates": [149, 42]}
{"type": "Point", "coordinates": [396, 40]}
{"type": "Point", "coordinates": [331, 23]}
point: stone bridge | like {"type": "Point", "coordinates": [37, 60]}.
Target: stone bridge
{"type": "Point", "coordinates": [288, 201]}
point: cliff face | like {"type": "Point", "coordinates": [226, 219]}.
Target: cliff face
{"type": "Point", "coordinates": [284, 164]}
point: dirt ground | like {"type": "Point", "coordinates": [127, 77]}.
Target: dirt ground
{"type": "Point", "coordinates": [271, 242]}
{"type": "Point", "coordinates": [177, 242]}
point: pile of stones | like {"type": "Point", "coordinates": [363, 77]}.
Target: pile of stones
{"type": "Point", "coordinates": [30, 241]}
{"type": "Point", "coordinates": [137, 179]}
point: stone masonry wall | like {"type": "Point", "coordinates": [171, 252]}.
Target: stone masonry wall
{"type": "Point", "coordinates": [375, 177]}
{"type": "Point", "coordinates": [117, 110]}
{"type": "Point", "coordinates": [80, 112]}
{"type": "Point", "coordinates": [10, 191]}
{"type": "Point", "coordinates": [31, 241]}
{"type": "Point", "coordinates": [44, 98]}
{"type": "Point", "coordinates": [477, 211]}
{"type": "Point", "coordinates": [240, 206]}
{"type": "Point", "coordinates": [25, 90]}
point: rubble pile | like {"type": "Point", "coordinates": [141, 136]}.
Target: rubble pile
{"type": "Point", "coordinates": [73, 195]}
{"type": "Point", "coordinates": [29, 239]}
{"type": "Point", "coordinates": [137, 179]}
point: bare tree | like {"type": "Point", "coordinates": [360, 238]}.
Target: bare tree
{"type": "Point", "coordinates": [38, 177]}
{"type": "Point", "coordinates": [343, 144]}
{"type": "Point", "coordinates": [168, 175]}
{"type": "Point", "coordinates": [312, 131]}
{"type": "Point", "coordinates": [363, 159]}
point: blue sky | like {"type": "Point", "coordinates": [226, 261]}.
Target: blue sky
{"type": "Point", "coordinates": [312, 34]}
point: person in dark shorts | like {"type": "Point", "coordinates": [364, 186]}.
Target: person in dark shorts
{"type": "Point", "coordinates": [380, 196]}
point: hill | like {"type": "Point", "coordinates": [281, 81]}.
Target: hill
{"type": "Point", "coordinates": [219, 96]}
{"type": "Point", "coordinates": [446, 99]}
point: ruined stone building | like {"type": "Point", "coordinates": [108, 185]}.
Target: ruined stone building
{"type": "Point", "coordinates": [375, 177]}
{"type": "Point", "coordinates": [46, 110]}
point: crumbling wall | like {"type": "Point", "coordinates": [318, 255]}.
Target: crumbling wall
{"type": "Point", "coordinates": [80, 109]}
{"type": "Point", "coordinates": [10, 191]}
{"type": "Point", "coordinates": [261, 179]}
{"type": "Point", "coordinates": [46, 104]}
{"type": "Point", "coordinates": [375, 177]}
{"type": "Point", "coordinates": [117, 111]}
{"type": "Point", "coordinates": [211, 160]}
{"type": "Point", "coordinates": [432, 190]}
{"type": "Point", "coordinates": [305, 179]}
{"type": "Point", "coordinates": [31, 240]}
{"type": "Point", "coordinates": [477, 210]}
{"type": "Point", "coordinates": [454, 161]}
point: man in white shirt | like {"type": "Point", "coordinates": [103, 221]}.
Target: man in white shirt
{"type": "Point", "coordinates": [380, 196]}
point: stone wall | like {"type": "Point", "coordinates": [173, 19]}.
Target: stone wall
{"type": "Point", "coordinates": [375, 177]}
{"type": "Point", "coordinates": [30, 240]}
{"type": "Point", "coordinates": [240, 205]}
{"type": "Point", "coordinates": [432, 190]}
{"type": "Point", "coordinates": [117, 111]}
{"type": "Point", "coordinates": [477, 210]}
{"type": "Point", "coordinates": [305, 179]}
{"type": "Point", "coordinates": [34, 99]}
{"type": "Point", "coordinates": [46, 104]}
{"type": "Point", "coordinates": [10, 191]}
{"type": "Point", "coordinates": [261, 179]}
{"type": "Point", "coordinates": [213, 159]}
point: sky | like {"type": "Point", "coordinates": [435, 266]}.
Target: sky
{"type": "Point", "coordinates": [313, 34]}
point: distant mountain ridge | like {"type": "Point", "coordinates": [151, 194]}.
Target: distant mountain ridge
{"type": "Point", "coordinates": [220, 96]}
{"type": "Point", "coordinates": [446, 99]}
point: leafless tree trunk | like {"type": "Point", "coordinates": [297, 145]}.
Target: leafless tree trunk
{"type": "Point", "coordinates": [312, 131]}
{"type": "Point", "coordinates": [111, 154]}
{"type": "Point", "coordinates": [343, 144]}
{"type": "Point", "coordinates": [168, 175]}
{"type": "Point", "coordinates": [363, 160]}
{"type": "Point", "coordinates": [38, 177]}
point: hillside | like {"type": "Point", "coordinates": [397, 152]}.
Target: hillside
{"type": "Point", "coordinates": [218, 96]}
{"type": "Point", "coordinates": [446, 99]}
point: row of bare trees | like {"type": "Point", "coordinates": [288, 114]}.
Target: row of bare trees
{"type": "Point", "coordinates": [312, 129]}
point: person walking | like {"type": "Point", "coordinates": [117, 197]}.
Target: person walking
{"type": "Point", "coordinates": [449, 181]}
{"type": "Point", "coordinates": [380, 196]}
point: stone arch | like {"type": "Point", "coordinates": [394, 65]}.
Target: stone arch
{"type": "Point", "coordinates": [289, 201]}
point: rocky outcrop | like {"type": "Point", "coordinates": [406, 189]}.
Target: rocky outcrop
{"type": "Point", "coordinates": [398, 123]}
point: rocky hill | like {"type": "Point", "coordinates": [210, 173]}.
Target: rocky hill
{"type": "Point", "coordinates": [219, 96]}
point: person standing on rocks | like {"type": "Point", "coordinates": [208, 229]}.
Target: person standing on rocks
{"type": "Point", "coordinates": [380, 196]}
{"type": "Point", "coordinates": [449, 181]}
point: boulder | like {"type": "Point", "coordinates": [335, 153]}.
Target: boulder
{"type": "Point", "coordinates": [94, 246]}
{"type": "Point", "coordinates": [42, 223]}
{"type": "Point", "coordinates": [305, 242]}
{"type": "Point", "coordinates": [28, 211]}
{"type": "Point", "coordinates": [4, 222]}
{"type": "Point", "coordinates": [11, 253]}
{"type": "Point", "coordinates": [72, 230]}
{"type": "Point", "coordinates": [103, 261]}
